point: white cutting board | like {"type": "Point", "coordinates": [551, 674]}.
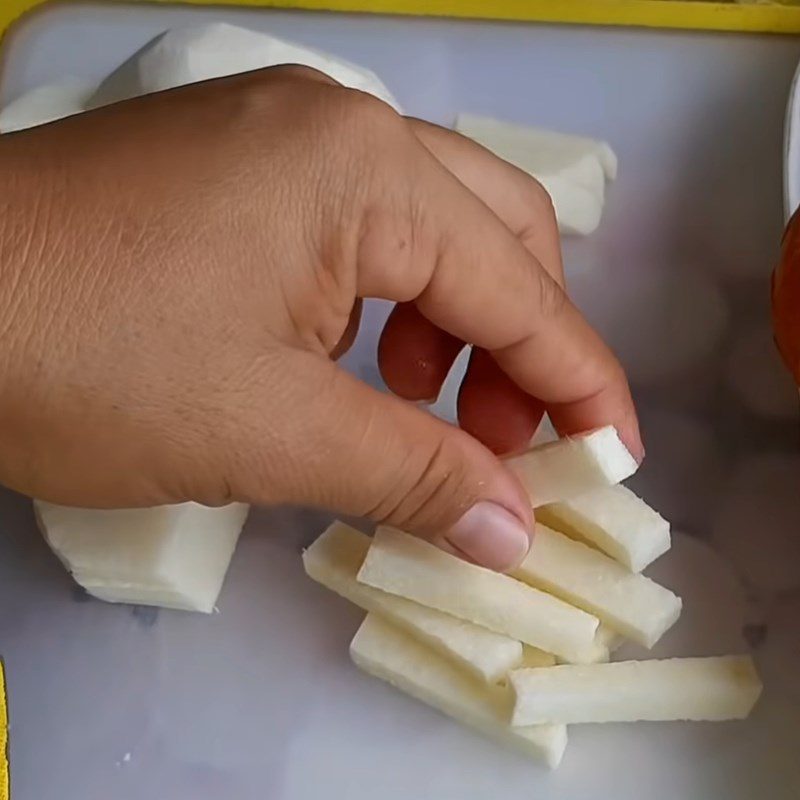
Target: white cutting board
{"type": "Point", "coordinates": [260, 701]}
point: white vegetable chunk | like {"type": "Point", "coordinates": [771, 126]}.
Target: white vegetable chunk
{"type": "Point", "coordinates": [606, 640]}
{"type": "Point", "coordinates": [573, 466]}
{"type": "Point", "coordinates": [628, 602]}
{"type": "Point", "coordinates": [716, 688]}
{"type": "Point", "coordinates": [614, 520]}
{"type": "Point", "coordinates": [414, 569]}
{"type": "Point", "coordinates": [534, 657]}
{"type": "Point", "coordinates": [334, 560]}
{"type": "Point", "coordinates": [202, 52]}
{"type": "Point", "coordinates": [45, 104]}
{"type": "Point", "coordinates": [573, 169]}
{"type": "Point", "coordinates": [388, 653]}
{"type": "Point", "coordinates": [173, 556]}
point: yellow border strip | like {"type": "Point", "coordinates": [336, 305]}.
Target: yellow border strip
{"type": "Point", "coordinates": [684, 14]}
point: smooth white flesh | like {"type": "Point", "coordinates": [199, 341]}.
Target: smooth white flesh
{"type": "Point", "coordinates": [45, 104]}
{"type": "Point", "coordinates": [534, 657]}
{"type": "Point", "coordinates": [573, 466]}
{"type": "Point", "coordinates": [201, 52]}
{"type": "Point", "coordinates": [614, 520]}
{"type": "Point", "coordinates": [573, 169]}
{"type": "Point", "coordinates": [626, 601]}
{"type": "Point", "coordinates": [712, 689]}
{"type": "Point", "coordinates": [388, 653]}
{"type": "Point", "coordinates": [409, 567]}
{"type": "Point", "coordinates": [334, 560]}
{"type": "Point", "coordinates": [171, 556]}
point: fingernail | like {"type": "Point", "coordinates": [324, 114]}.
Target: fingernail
{"type": "Point", "coordinates": [491, 536]}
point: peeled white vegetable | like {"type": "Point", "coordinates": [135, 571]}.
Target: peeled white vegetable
{"type": "Point", "coordinates": [716, 614]}
{"type": "Point", "coordinates": [45, 104]}
{"type": "Point", "coordinates": [334, 560]}
{"type": "Point", "coordinates": [202, 52]}
{"type": "Point", "coordinates": [172, 556]}
{"type": "Point", "coordinates": [386, 652]}
{"type": "Point", "coordinates": [627, 602]}
{"type": "Point", "coordinates": [721, 688]}
{"type": "Point", "coordinates": [409, 567]}
{"type": "Point", "coordinates": [573, 169]}
{"type": "Point", "coordinates": [534, 657]}
{"type": "Point", "coordinates": [573, 466]}
{"type": "Point", "coordinates": [614, 520]}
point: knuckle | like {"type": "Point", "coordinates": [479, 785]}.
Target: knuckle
{"type": "Point", "coordinates": [436, 491]}
{"type": "Point", "coordinates": [539, 206]}
{"type": "Point", "coordinates": [552, 298]}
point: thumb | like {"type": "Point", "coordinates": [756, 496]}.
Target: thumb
{"type": "Point", "coordinates": [351, 449]}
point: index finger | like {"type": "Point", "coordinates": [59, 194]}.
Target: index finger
{"type": "Point", "coordinates": [469, 275]}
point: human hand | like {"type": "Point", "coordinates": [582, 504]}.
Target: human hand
{"type": "Point", "coordinates": [179, 272]}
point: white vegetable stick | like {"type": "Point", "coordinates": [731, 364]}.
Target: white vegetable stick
{"type": "Point", "coordinates": [409, 567]}
{"type": "Point", "coordinates": [614, 520]}
{"type": "Point", "coordinates": [45, 104]}
{"type": "Point", "coordinates": [573, 466]}
{"type": "Point", "coordinates": [605, 642]}
{"type": "Point", "coordinates": [334, 560]}
{"type": "Point", "coordinates": [717, 688]}
{"type": "Point", "coordinates": [201, 52]}
{"type": "Point", "coordinates": [388, 653]}
{"type": "Point", "coordinates": [173, 556]}
{"type": "Point", "coordinates": [631, 604]}
{"type": "Point", "coordinates": [534, 657]}
{"type": "Point", "coordinates": [608, 638]}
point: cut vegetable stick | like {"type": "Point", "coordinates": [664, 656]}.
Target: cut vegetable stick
{"type": "Point", "coordinates": [386, 652]}
{"type": "Point", "coordinates": [573, 466]}
{"type": "Point", "coordinates": [631, 604]}
{"type": "Point", "coordinates": [174, 556]}
{"type": "Point", "coordinates": [605, 642]}
{"type": "Point", "coordinates": [719, 688]}
{"type": "Point", "coordinates": [404, 565]}
{"type": "Point", "coordinates": [534, 657]}
{"type": "Point", "coordinates": [614, 520]}
{"type": "Point", "coordinates": [334, 560]}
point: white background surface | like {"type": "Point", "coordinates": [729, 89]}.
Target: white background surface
{"type": "Point", "coordinates": [260, 701]}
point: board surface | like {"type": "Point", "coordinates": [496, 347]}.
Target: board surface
{"type": "Point", "coordinates": [260, 702]}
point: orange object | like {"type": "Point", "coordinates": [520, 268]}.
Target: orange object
{"type": "Point", "coordinates": [786, 298]}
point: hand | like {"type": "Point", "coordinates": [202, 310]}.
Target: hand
{"type": "Point", "coordinates": [179, 272]}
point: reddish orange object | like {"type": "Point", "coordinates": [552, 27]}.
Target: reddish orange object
{"type": "Point", "coordinates": [786, 298]}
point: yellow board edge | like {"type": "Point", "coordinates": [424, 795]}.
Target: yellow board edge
{"type": "Point", "coordinates": [4, 794]}
{"type": "Point", "coordinates": [678, 14]}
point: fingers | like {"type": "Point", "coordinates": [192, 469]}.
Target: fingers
{"type": "Point", "coordinates": [518, 200]}
{"type": "Point", "coordinates": [493, 409]}
{"type": "Point", "coordinates": [358, 451]}
{"type": "Point", "coordinates": [471, 277]}
{"type": "Point", "coordinates": [414, 355]}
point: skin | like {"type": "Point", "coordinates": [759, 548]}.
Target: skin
{"type": "Point", "coordinates": [178, 274]}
